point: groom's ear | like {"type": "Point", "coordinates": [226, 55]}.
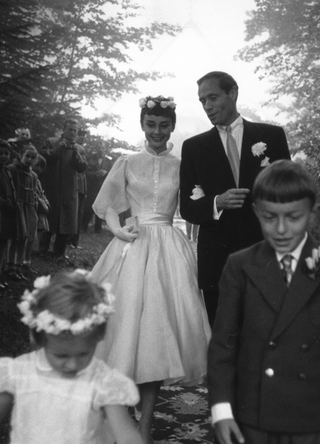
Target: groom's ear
{"type": "Point", "coordinates": [233, 93]}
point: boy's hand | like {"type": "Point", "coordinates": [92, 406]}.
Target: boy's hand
{"type": "Point", "coordinates": [232, 199]}
{"type": "Point", "coordinates": [226, 429]}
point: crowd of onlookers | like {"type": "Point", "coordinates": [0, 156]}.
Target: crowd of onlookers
{"type": "Point", "coordinates": [46, 196]}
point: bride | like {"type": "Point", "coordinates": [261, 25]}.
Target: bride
{"type": "Point", "coordinates": [159, 332]}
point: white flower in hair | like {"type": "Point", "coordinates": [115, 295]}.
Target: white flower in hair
{"type": "Point", "coordinates": [151, 104]}
{"type": "Point", "coordinates": [53, 324]}
{"type": "Point", "coordinates": [142, 102]}
{"type": "Point", "coordinates": [41, 282]}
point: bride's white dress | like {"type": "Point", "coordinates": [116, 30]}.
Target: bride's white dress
{"type": "Point", "coordinates": [160, 329]}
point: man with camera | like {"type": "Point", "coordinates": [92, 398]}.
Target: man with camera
{"type": "Point", "coordinates": [65, 158]}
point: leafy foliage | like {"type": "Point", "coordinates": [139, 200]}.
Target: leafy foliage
{"type": "Point", "coordinates": [284, 38]}
{"type": "Point", "coordinates": [57, 55]}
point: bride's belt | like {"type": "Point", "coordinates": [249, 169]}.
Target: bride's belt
{"type": "Point", "coordinates": [154, 219]}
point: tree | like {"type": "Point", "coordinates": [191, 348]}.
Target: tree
{"type": "Point", "coordinates": [59, 54]}
{"type": "Point", "coordinates": [284, 38]}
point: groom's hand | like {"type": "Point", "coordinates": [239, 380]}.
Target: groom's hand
{"type": "Point", "coordinates": [231, 199]}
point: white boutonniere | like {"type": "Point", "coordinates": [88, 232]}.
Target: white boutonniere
{"type": "Point", "coordinates": [313, 263]}
{"type": "Point", "coordinates": [197, 193]}
{"type": "Point", "coordinates": [258, 150]}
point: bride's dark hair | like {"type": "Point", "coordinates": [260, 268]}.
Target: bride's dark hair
{"type": "Point", "coordinates": [158, 106]}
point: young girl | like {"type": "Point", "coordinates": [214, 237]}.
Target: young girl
{"type": "Point", "coordinates": [25, 181]}
{"type": "Point", "coordinates": [60, 393]}
{"type": "Point", "coordinates": [8, 206]}
{"type": "Point", "coordinates": [160, 331]}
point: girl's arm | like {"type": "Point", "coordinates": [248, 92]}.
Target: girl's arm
{"type": "Point", "coordinates": [123, 427]}
{"type": "Point", "coordinates": [6, 403]}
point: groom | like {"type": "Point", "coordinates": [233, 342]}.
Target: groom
{"type": "Point", "coordinates": [217, 172]}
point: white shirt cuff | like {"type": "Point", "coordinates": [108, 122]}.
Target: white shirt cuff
{"type": "Point", "coordinates": [216, 213]}
{"type": "Point", "coordinates": [221, 411]}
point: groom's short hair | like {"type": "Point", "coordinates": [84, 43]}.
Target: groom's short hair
{"type": "Point", "coordinates": [226, 82]}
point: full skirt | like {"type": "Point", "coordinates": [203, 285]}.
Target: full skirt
{"type": "Point", "coordinates": [160, 329]}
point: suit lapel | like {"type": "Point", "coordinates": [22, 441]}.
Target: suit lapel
{"type": "Point", "coordinates": [267, 276]}
{"type": "Point", "coordinates": [300, 291]}
{"type": "Point", "coordinates": [249, 164]}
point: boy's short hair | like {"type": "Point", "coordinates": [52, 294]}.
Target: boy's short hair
{"type": "Point", "coordinates": [284, 181]}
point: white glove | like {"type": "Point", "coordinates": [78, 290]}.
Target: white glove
{"type": "Point", "coordinates": [127, 233]}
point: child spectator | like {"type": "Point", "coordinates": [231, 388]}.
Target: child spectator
{"type": "Point", "coordinates": [263, 369]}
{"type": "Point", "coordinates": [43, 207]}
{"type": "Point", "coordinates": [23, 137]}
{"type": "Point", "coordinates": [8, 206]}
{"type": "Point", "coordinates": [61, 393]}
{"type": "Point", "coordinates": [25, 181]}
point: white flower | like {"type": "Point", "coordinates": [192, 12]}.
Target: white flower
{"type": "Point", "coordinates": [197, 193]}
{"type": "Point", "coordinates": [52, 324]}
{"type": "Point", "coordinates": [258, 148]}
{"type": "Point", "coordinates": [168, 103]}
{"type": "Point", "coordinates": [151, 104]}
{"type": "Point", "coordinates": [316, 254]}
{"type": "Point", "coordinates": [142, 102]}
{"type": "Point", "coordinates": [313, 263]}
{"type": "Point", "coordinates": [41, 282]}
{"type": "Point", "coordinates": [82, 272]}
{"type": "Point", "coordinates": [310, 263]}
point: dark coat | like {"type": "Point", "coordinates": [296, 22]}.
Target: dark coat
{"type": "Point", "coordinates": [59, 182]}
{"type": "Point", "coordinates": [264, 355]}
{"type": "Point", "coordinates": [205, 163]}
{"type": "Point", "coordinates": [8, 206]}
{"type": "Point", "coordinates": [25, 182]}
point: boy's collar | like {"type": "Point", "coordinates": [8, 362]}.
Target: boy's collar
{"type": "Point", "coordinates": [296, 252]}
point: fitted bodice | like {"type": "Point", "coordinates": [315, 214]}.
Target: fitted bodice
{"type": "Point", "coordinates": [144, 182]}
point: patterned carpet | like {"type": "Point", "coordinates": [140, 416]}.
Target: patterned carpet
{"type": "Point", "coordinates": [182, 416]}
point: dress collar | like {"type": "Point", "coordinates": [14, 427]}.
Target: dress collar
{"type": "Point", "coordinates": [153, 153]}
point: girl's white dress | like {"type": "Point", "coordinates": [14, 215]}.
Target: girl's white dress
{"type": "Point", "coordinates": [52, 409]}
{"type": "Point", "coordinates": [160, 329]}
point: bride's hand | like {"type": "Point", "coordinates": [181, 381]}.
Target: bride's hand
{"type": "Point", "coordinates": [127, 233]}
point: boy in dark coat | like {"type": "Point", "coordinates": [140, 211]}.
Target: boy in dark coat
{"type": "Point", "coordinates": [264, 355]}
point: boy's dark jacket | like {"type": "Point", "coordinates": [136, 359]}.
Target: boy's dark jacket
{"type": "Point", "coordinates": [264, 355]}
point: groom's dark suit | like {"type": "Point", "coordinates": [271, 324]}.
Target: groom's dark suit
{"type": "Point", "coordinates": [264, 353]}
{"type": "Point", "coordinates": [204, 162]}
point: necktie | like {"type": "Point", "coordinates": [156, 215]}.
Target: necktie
{"type": "Point", "coordinates": [287, 270]}
{"type": "Point", "coordinates": [233, 155]}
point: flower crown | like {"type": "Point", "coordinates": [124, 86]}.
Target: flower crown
{"type": "Point", "coordinates": [150, 102]}
{"type": "Point", "coordinates": [54, 325]}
